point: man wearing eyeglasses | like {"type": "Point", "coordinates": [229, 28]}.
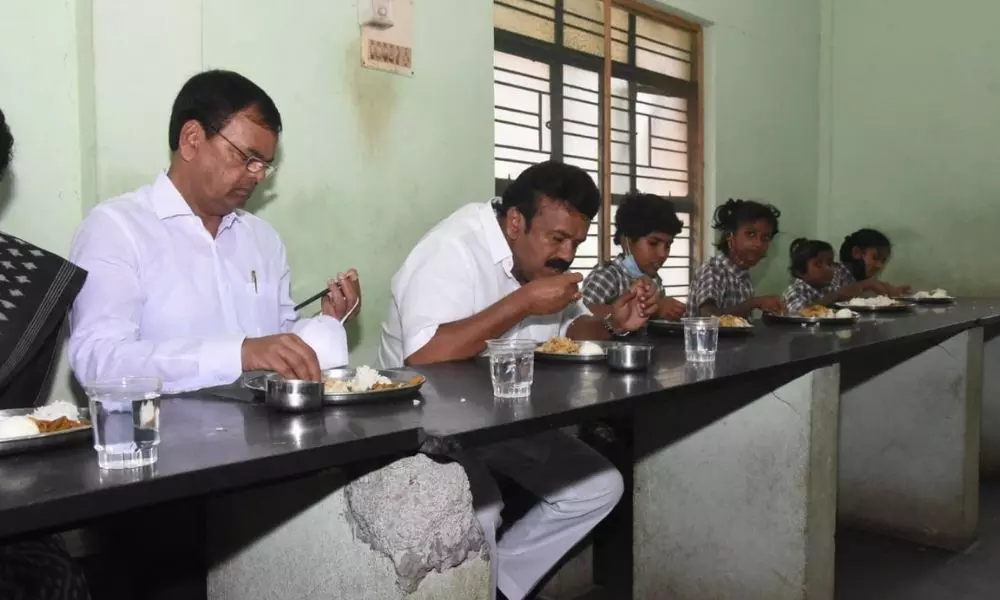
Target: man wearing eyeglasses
{"type": "Point", "coordinates": [185, 284]}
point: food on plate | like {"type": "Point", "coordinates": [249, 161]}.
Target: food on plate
{"type": "Point", "coordinates": [366, 379]}
{"type": "Point", "coordinates": [817, 311]}
{"type": "Point", "coordinates": [560, 345]}
{"type": "Point", "coordinates": [56, 410]}
{"type": "Point", "coordinates": [933, 294]}
{"type": "Point", "coordinates": [58, 416]}
{"type": "Point", "coordinates": [733, 321]}
{"type": "Point", "coordinates": [564, 345]}
{"type": "Point", "coordinates": [873, 302]}
{"type": "Point", "coordinates": [18, 426]}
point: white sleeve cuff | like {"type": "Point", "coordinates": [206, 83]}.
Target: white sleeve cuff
{"type": "Point", "coordinates": [417, 341]}
{"type": "Point", "coordinates": [221, 359]}
{"type": "Point", "coordinates": [327, 337]}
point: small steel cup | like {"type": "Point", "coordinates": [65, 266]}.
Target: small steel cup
{"type": "Point", "coordinates": [629, 357]}
{"type": "Point", "coordinates": [293, 395]}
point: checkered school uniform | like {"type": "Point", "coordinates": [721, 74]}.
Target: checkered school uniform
{"type": "Point", "coordinates": [842, 277]}
{"type": "Point", "coordinates": [721, 281]}
{"type": "Point", "coordinates": [610, 281]}
{"type": "Point", "coordinates": [800, 295]}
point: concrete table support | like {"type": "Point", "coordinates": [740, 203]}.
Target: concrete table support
{"type": "Point", "coordinates": [909, 440]}
{"type": "Point", "coordinates": [406, 531]}
{"type": "Point", "coordinates": [991, 401]}
{"type": "Point", "coordinates": [745, 507]}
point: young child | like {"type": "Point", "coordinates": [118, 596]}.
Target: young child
{"type": "Point", "coordinates": [863, 255]}
{"type": "Point", "coordinates": [722, 286]}
{"type": "Point", "coordinates": [645, 227]}
{"type": "Point", "coordinates": [812, 266]}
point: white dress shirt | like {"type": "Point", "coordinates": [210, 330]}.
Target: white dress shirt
{"type": "Point", "coordinates": [460, 268]}
{"type": "Point", "coordinates": [165, 299]}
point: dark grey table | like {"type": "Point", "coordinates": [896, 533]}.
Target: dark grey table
{"type": "Point", "coordinates": [212, 445]}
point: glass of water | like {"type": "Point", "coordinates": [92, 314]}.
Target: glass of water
{"type": "Point", "coordinates": [512, 367]}
{"type": "Point", "coordinates": [701, 338]}
{"type": "Point", "coordinates": [126, 420]}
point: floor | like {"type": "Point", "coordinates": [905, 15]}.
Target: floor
{"type": "Point", "coordinates": [872, 567]}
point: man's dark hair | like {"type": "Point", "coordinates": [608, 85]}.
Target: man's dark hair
{"type": "Point", "coordinates": [554, 180]}
{"type": "Point", "coordinates": [642, 214]}
{"type": "Point", "coordinates": [6, 145]}
{"type": "Point", "coordinates": [213, 97]}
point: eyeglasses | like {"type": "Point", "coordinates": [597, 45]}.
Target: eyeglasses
{"type": "Point", "coordinates": [253, 164]}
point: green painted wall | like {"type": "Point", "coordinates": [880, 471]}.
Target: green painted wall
{"type": "Point", "coordinates": [762, 111]}
{"type": "Point", "coordinates": [911, 122]}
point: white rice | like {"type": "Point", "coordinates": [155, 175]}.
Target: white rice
{"type": "Point", "coordinates": [365, 377]}
{"type": "Point", "coordinates": [874, 302]}
{"type": "Point", "coordinates": [57, 409]}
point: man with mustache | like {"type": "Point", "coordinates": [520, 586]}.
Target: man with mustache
{"type": "Point", "coordinates": [498, 270]}
{"type": "Point", "coordinates": [184, 284]}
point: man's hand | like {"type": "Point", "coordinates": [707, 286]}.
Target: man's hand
{"type": "Point", "coordinates": [671, 309]}
{"type": "Point", "coordinates": [648, 295]}
{"type": "Point", "coordinates": [771, 304]}
{"type": "Point", "coordinates": [285, 353]}
{"type": "Point", "coordinates": [627, 313]}
{"type": "Point", "coordinates": [549, 295]}
{"type": "Point", "coordinates": [344, 291]}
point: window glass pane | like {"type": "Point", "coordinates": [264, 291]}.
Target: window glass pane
{"type": "Point", "coordinates": [649, 135]}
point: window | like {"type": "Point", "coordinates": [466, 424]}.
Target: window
{"type": "Point", "coordinates": [553, 94]}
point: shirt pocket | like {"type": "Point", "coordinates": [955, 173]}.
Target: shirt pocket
{"type": "Point", "coordinates": [262, 309]}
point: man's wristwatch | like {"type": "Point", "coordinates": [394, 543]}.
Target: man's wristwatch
{"type": "Point", "coordinates": [611, 328]}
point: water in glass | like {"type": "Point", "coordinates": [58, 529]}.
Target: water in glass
{"type": "Point", "coordinates": [701, 338]}
{"type": "Point", "coordinates": [126, 422]}
{"type": "Point", "coordinates": [512, 367]}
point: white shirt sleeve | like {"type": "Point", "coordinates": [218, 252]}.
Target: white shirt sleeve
{"type": "Point", "coordinates": [436, 290]}
{"type": "Point", "coordinates": [572, 313]}
{"type": "Point", "coordinates": [104, 341]}
{"type": "Point", "coordinates": [287, 317]}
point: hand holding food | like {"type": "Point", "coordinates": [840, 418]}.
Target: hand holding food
{"type": "Point", "coordinates": [627, 314]}
{"type": "Point", "coordinates": [648, 295]}
{"type": "Point", "coordinates": [549, 295]}
{"type": "Point", "coordinates": [284, 353]}
{"type": "Point", "coordinates": [671, 309]}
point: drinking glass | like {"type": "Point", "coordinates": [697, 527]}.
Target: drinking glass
{"type": "Point", "coordinates": [512, 367]}
{"type": "Point", "coordinates": [126, 420]}
{"type": "Point", "coordinates": [701, 338]}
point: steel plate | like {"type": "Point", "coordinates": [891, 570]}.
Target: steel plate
{"type": "Point", "coordinates": [257, 383]}
{"type": "Point", "coordinates": [44, 440]}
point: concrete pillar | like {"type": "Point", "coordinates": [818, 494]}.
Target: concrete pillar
{"type": "Point", "coordinates": [991, 402]}
{"type": "Point", "coordinates": [406, 531]}
{"type": "Point", "coordinates": [909, 441]}
{"type": "Point", "coordinates": [744, 507]}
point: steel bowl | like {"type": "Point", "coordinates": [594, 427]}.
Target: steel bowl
{"type": "Point", "coordinates": [629, 357]}
{"type": "Point", "coordinates": [293, 395]}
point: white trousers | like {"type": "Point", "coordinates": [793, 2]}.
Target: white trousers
{"type": "Point", "coordinates": [576, 487]}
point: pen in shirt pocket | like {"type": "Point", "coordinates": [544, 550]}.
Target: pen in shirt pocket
{"type": "Point", "coordinates": [253, 278]}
